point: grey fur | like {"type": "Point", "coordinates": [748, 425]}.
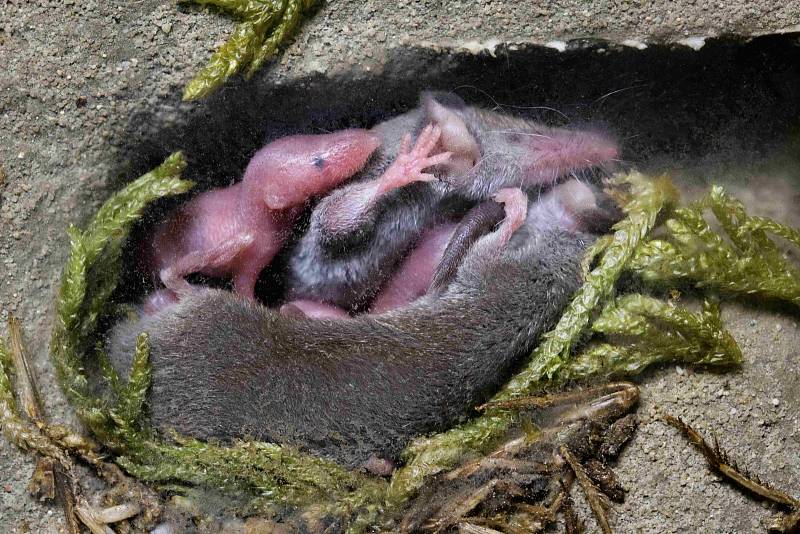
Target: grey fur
{"type": "Point", "coordinates": [348, 270]}
{"type": "Point", "coordinates": [348, 389]}
{"type": "Point", "coordinates": [477, 222]}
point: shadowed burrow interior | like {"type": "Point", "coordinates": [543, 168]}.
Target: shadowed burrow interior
{"type": "Point", "coordinates": [733, 99]}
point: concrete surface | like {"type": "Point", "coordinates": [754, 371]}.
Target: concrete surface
{"type": "Point", "coordinates": [89, 99]}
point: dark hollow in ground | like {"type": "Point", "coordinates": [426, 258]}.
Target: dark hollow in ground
{"type": "Point", "coordinates": [670, 103]}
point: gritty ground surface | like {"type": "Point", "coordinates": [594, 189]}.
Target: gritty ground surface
{"type": "Point", "coordinates": [74, 73]}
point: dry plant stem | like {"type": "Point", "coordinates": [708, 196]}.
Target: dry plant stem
{"type": "Point", "coordinates": [42, 483]}
{"type": "Point", "coordinates": [97, 520]}
{"type": "Point", "coordinates": [720, 463]}
{"type": "Point", "coordinates": [31, 404]}
{"type": "Point", "coordinates": [464, 507]}
{"type": "Point", "coordinates": [572, 525]}
{"type": "Point", "coordinates": [551, 399]}
{"type": "Point", "coordinates": [492, 525]}
{"type": "Point", "coordinates": [27, 392]}
{"type": "Point", "coordinates": [122, 486]}
{"type": "Point", "coordinates": [54, 472]}
{"type": "Point", "coordinates": [789, 523]}
{"type": "Point", "coordinates": [120, 512]}
{"type": "Point", "coordinates": [466, 493]}
{"type": "Point", "coordinates": [24, 435]}
{"type": "Point", "coordinates": [87, 516]}
{"type": "Point", "coordinates": [597, 500]}
{"type": "Point", "coordinates": [472, 528]}
{"type": "Point", "coordinates": [545, 514]}
{"type": "Point", "coordinates": [66, 489]}
{"type": "Point", "coordinates": [85, 448]}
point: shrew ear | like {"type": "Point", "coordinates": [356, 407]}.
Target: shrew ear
{"type": "Point", "coordinates": [456, 138]}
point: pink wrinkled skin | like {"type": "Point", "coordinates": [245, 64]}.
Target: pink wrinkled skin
{"type": "Point", "coordinates": [313, 310]}
{"type": "Point", "coordinates": [551, 156]}
{"type": "Point", "coordinates": [236, 231]}
{"type": "Point", "coordinates": [414, 275]}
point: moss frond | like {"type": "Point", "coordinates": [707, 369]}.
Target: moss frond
{"type": "Point", "coordinates": [268, 472]}
{"type": "Point", "coordinates": [131, 397]}
{"type": "Point", "coordinates": [264, 25]}
{"type": "Point", "coordinates": [747, 263]}
{"type": "Point", "coordinates": [292, 16]}
{"type": "Point", "coordinates": [90, 277]}
{"type": "Point", "coordinates": [278, 475]}
{"type": "Point", "coordinates": [649, 331]}
{"type": "Point", "coordinates": [648, 199]}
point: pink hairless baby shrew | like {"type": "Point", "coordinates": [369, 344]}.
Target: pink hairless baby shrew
{"type": "Point", "coordinates": [236, 231]}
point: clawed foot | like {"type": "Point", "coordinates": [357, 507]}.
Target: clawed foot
{"type": "Point", "coordinates": [411, 162]}
{"type": "Point", "coordinates": [219, 258]}
{"type": "Point", "coordinates": [515, 204]}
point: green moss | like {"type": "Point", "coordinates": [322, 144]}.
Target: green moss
{"type": "Point", "coordinates": [264, 25]}
{"type": "Point", "coordinates": [272, 474]}
{"type": "Point", "coordinates": [747, 263]}
{"type": "Point", "coordinates": [280, 475]}
{"type": "Point", "coordinates": [128, 412]}
{"type": "Point", "coordinates": [90, 277]}
{"type": "Point", "coordinates": [647, 331]}
{"type": "Point", "coordinates": [428, 456]}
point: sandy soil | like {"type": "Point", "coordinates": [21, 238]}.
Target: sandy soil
{"type": "Point", "coordinates": [89, 98]}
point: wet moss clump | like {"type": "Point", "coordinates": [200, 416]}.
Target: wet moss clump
{"type": "Point", "coordinates": [748, 263]}
{"type": "Point", "coordinates": [282, 474]}
{"type": "Point", "coordinates": [626, 333]}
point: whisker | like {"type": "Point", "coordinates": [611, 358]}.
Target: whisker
{"type": "Point", "coordinates": [603, 97]}
{"type": "Point", "coordinates": [486, 157]}
{"type": "Point", "coordinates": [497, 105]}
{"type": "Point", "coordinates": [515, 132]}
{"type": "Point", "coordinates": [545, 108]}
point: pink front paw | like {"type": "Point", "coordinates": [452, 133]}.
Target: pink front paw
{"type": "Point", "coordinates": [410, 163]}
{"type": "Point", "coordinates": [159, 300]}
{"type": "Point", "coordinates": [515, 204]}
{"type": "Point", "coordinates": [313, 310]}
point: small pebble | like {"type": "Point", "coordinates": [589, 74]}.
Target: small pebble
{"type": "Point", "coordinates": [775, 401]}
